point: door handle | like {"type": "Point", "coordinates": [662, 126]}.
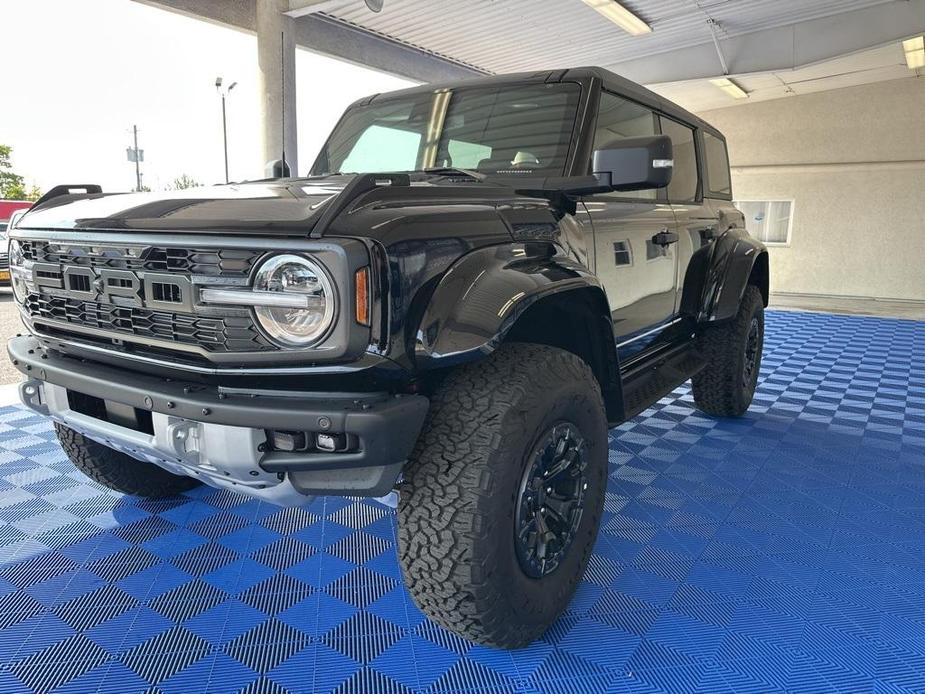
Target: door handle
{"type": "Point", "coordinates": [665, 238]}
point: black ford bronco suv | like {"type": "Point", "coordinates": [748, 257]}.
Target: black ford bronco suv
{"type": "Point", "coordinates": [475, 282]}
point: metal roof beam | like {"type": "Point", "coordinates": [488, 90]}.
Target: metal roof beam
{"type": "Point", "coordinates": [336, 39]}
{"type": "Point", "coordinates": [300, 8]}
{"type": "Point", "coordinates": [364, 48]}
{"type": "Point", "coordinates": [783, 48]}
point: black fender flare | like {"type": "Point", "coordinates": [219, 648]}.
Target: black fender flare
{"type": "Point", "coordinates": [719, 273]}
{"type": "Point", "coordinates": [481, 296]}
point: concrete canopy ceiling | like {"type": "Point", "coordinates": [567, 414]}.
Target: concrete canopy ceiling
{"type": "Point", "coordinates": [775, 49]}
{"type": "Point", "coordinates": [516, 35]}
{"type": "Point", "coordinates": [875, 65]}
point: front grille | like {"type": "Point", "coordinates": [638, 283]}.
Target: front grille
{"type": "Point", "coordinates": [4, 261]}
{"type": "Point", "coordinates": [213, 334]}
{"type": "Point", "coordinates": [189, 261]}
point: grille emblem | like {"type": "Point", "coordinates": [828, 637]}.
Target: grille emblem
{"type": "Point", "coordinates": [123, 287]}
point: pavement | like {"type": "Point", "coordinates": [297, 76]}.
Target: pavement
{"type": "Point", "coordinates": [10, 325]}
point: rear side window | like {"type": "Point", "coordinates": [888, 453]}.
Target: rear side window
{"type": "Point", "coordinates": [618, 119]}
{"type": "Point", "coordinates": [683, 186]}
{"type": "Point", "coordinates": [717, 161]}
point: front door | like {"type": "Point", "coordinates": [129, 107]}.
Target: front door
{"type": "Point", "coordinates": [635, 252]}
{"type": "Point", "coordinates": [635, 238]}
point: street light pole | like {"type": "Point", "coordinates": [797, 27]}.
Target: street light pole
{"type": "Point", "coordinates": [225, 136]}
{"type": "Point", "coordinates": [223, 93]}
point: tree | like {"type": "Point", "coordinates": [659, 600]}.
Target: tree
{"type": "Point", "coordinates": [183, 182]}
{"type": "Point", "coordinates": [12, 185]}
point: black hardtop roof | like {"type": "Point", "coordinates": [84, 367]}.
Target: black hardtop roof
{"type": "Point", "coordinates": [610, 81]}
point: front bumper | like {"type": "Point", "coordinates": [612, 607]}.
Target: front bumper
{"type": "Point", "coordinates": [220, 436]}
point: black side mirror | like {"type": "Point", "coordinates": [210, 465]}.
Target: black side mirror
{"type": "Point", "coordinates": [635, 163]}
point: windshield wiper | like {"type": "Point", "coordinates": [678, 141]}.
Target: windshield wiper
{"type": "Point", "coordinates": [453, 170]}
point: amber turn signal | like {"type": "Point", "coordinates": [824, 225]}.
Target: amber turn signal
{"type": "Point", "coordinates": [361, 285]}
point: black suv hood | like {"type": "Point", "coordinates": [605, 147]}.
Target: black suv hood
{"type": "Point", "coordinates": [293, 207]}
{"type": "Point", "coordinates": [285, 206]}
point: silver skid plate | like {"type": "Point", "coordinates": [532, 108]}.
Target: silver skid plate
{"type": "Point", "coordinates": [226, 457]}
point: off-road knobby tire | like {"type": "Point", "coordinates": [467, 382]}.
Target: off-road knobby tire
{"type": "Point", "coordinates": [719, 389]}
{"type": "Point", "coordinates": [456, 513]}
{"type": "Point", "coordinates": [119, 471]}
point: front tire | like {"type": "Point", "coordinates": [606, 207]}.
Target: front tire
{"type": "Point", "coordinates": [118, 471]}
{"type": "Point", "coordinates": [726, 386]}
{"type": "Point", "coordinates": [522, 431]}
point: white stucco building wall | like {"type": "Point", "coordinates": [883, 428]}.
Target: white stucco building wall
{"type": "Point", "coordinates": [853, 162]}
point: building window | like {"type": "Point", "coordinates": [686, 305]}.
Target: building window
{"type": "Point", "coordinates": [622, 253]}
{"type": "Point", "coordinates": [654, 251]}
{"type": "Point", "coordinates": [769, 221]}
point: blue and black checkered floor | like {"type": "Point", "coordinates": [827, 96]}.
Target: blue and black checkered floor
{"type": "Point", "coordinates": [781, 552]}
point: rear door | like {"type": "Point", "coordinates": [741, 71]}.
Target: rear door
{"type": "Point", "coordinates": [696, 219]}
{"type": "Point", "coordinates": [635, 237]}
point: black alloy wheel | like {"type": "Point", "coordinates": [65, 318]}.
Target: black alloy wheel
{"type": "Point", "coordinates": [752, 353]}
{"type": "Point", "coordinates": [552, 494]}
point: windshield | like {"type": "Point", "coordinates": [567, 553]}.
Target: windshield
{"type": "Point", "coordinates": [497, 130]}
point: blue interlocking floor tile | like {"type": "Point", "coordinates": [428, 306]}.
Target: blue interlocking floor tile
{"type": "Point", "coordinates": [784, 551]}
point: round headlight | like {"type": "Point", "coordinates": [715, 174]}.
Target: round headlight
{"type": "Point", "coordinates": [17, 260]}
{"type": "Point", "coordinates": [16, 256]}
{"type": "Point", "coordinates": [306, 303]}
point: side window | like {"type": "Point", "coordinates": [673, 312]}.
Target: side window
{"type": "Point", "coordinates": [717, 161]}
{"type": "Point", "coordinates": [383, 149]}
{"type": "Point", "coordinates": [683, 186]}
{"type": "Point", "coordinates": [618, 119]}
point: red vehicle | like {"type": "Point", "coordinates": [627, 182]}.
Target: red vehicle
{"type": "Point", "coordinates": [7, 208]}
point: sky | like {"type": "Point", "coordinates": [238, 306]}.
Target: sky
{"type": "Point", "coordinates": [79, 75]}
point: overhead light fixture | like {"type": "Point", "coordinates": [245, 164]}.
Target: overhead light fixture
{"type": "Point", "coordinates": [620, 16]}
{"type": "Point", "coordinates": [915, 52]}
{"type": "Point", "coordinates": [730, 87]}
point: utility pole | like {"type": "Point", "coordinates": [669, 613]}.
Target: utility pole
{"type": "Point", "coordinates": [137, 162]}
{"type": "Point", "coordinates": [136, 155]}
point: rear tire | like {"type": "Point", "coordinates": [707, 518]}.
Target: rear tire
{"type": "Point", "coordinates": [119, 471]}
{"type": "Point", "coordinates": [726, 386]}
{"type": "Point", "coordinates": [480, 485]}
